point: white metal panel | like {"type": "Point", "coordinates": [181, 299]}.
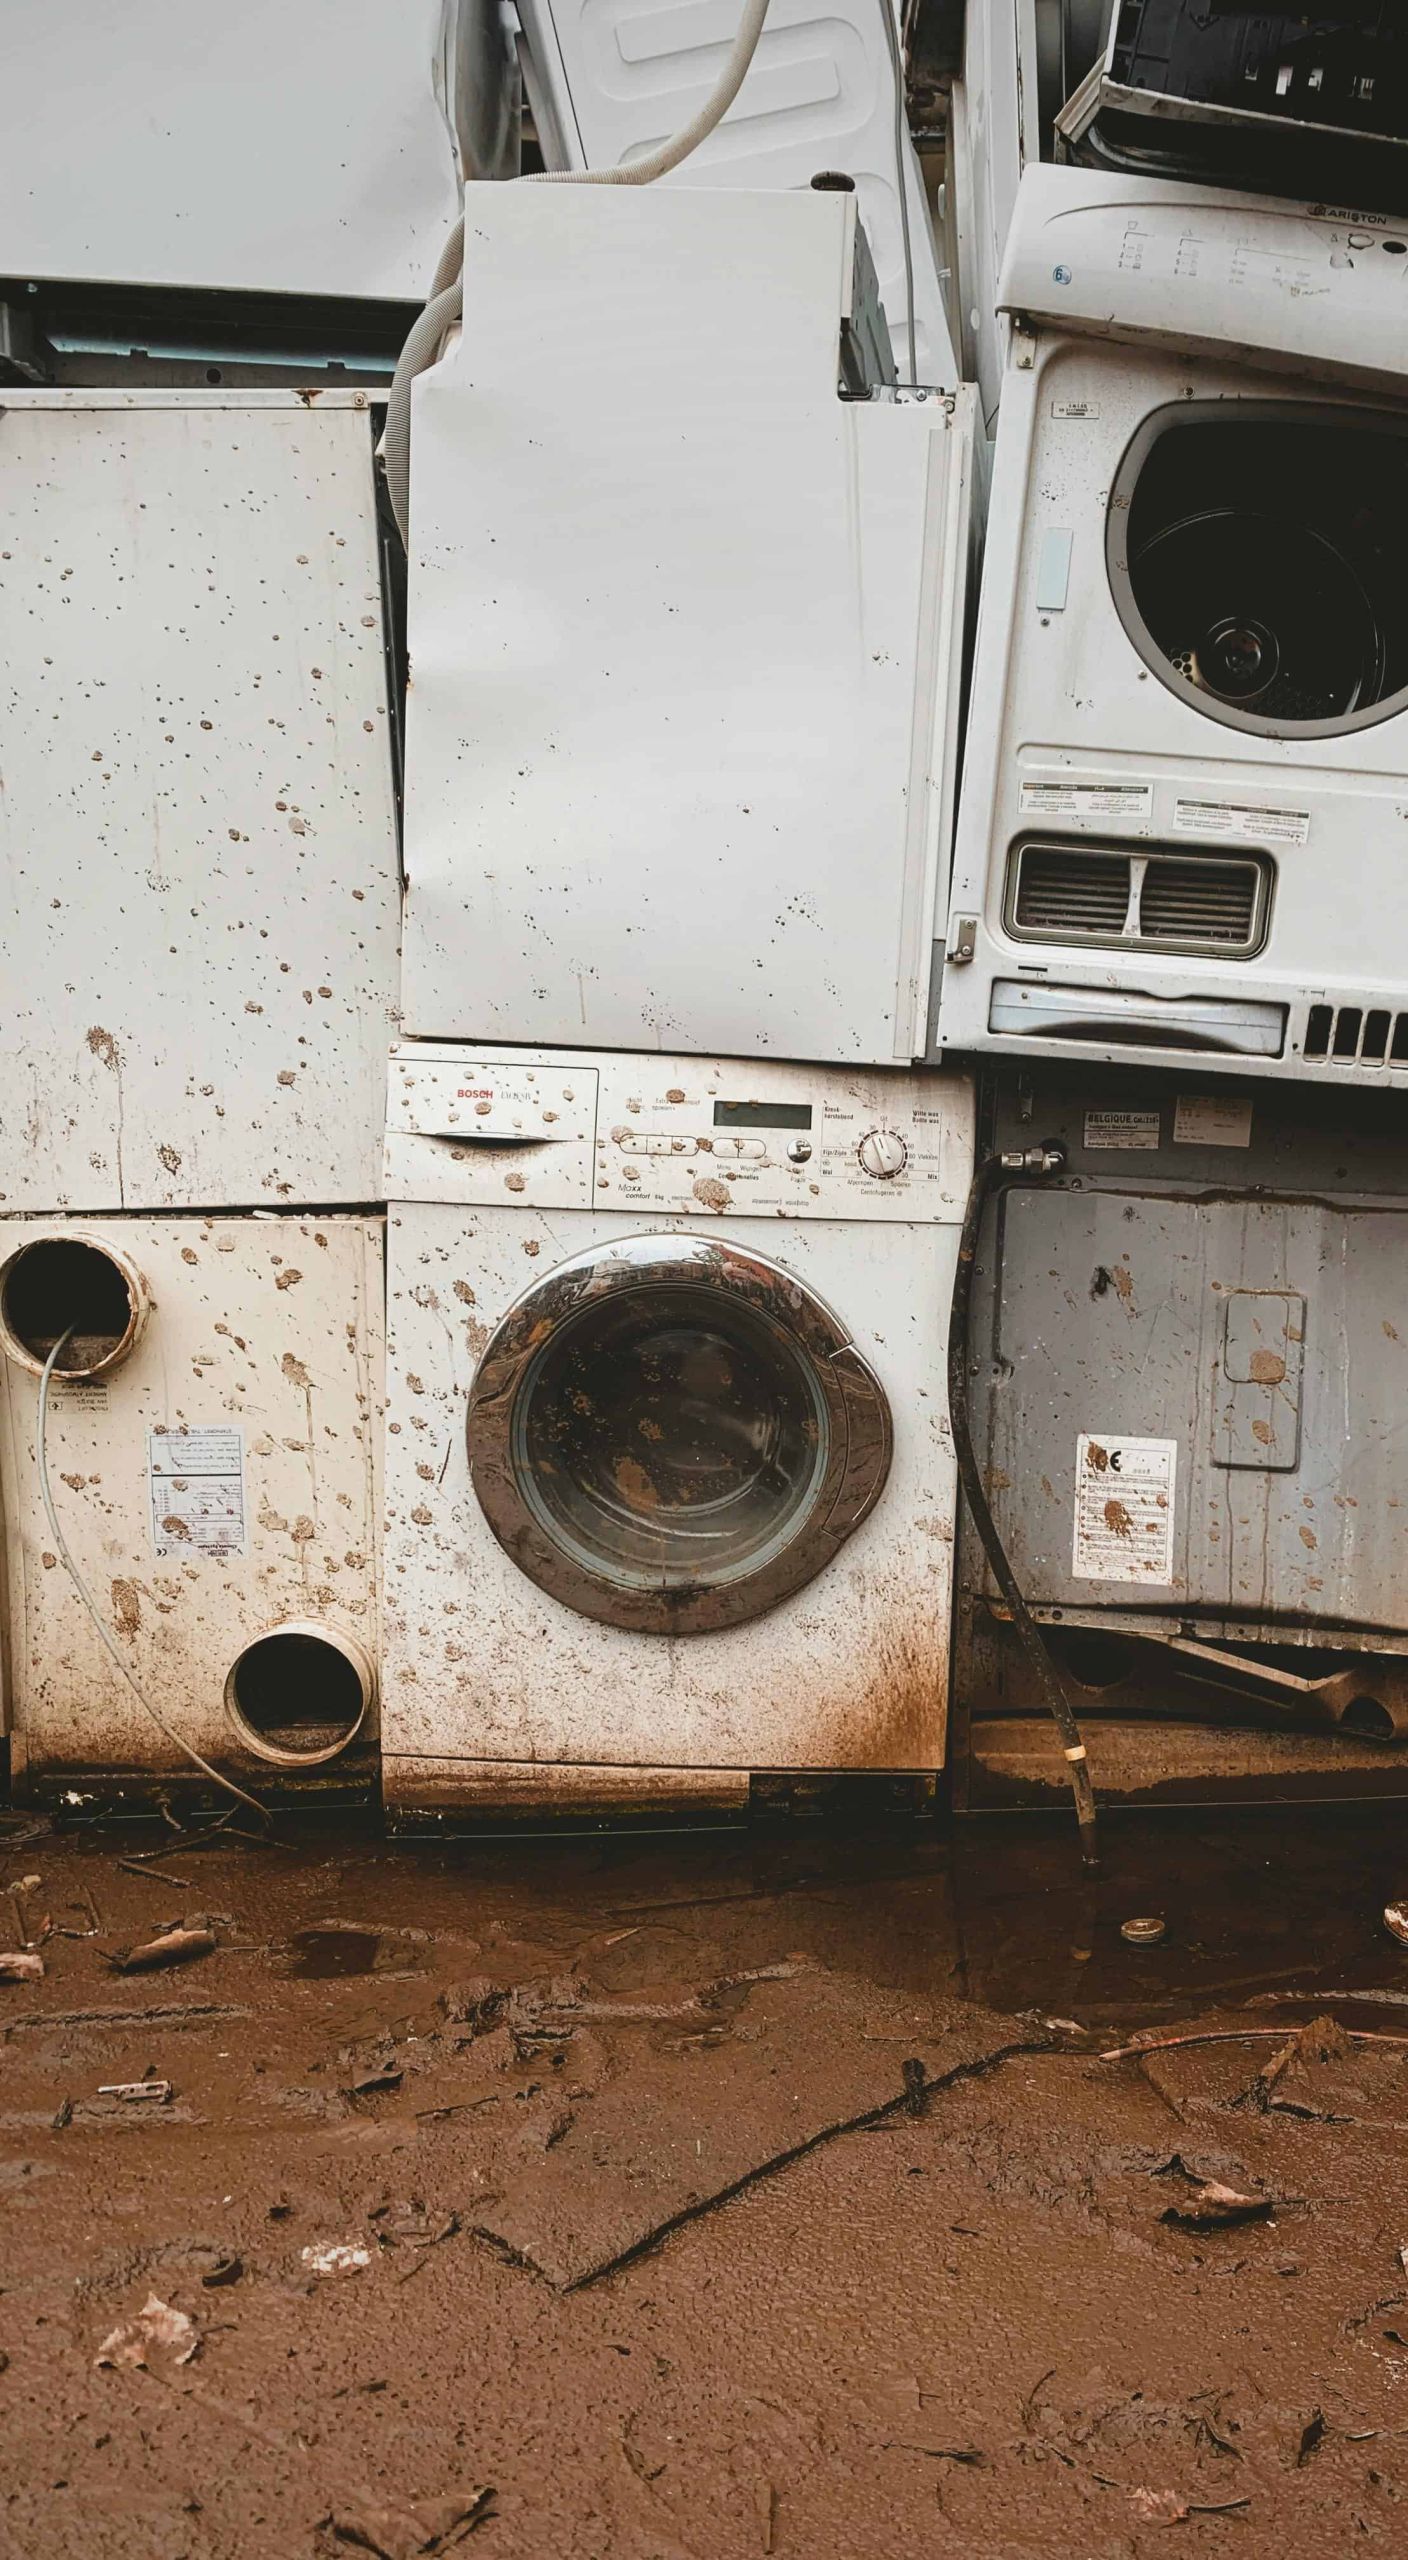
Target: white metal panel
{"type": "Point", "coordinates": [267, 1327]}
{"type": "Point", "coordinates": [1308, 289]}
{"type": "Point", "coordinates": [684, 640]}
{"type": "Point", "coordinates": [617, 79]}
{"type": "Point", "coordinates": [282, 146]}
{"type": "Point", "coordinates": [197, 826]}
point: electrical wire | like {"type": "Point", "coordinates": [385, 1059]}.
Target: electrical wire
{"type": "Point", "coordinates": [445, 305]}
{"type": "Point", "coordinates": [992, 1174]}
{"type": "Point", "coordinates": [902, 177]}
{"type": "Point", "coordinates": [187, 1749]}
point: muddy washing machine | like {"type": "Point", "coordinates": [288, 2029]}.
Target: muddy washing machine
{"type": "Point", "coordinates": [670, 1486]}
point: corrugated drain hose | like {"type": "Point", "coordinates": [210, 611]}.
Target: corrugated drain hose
{"type": "Point", "coordinates": [187, 1749]}
{"type": "Point", "coordinates": [446, 303]}
{"type": "Point", "coordinates": [994, 1173]}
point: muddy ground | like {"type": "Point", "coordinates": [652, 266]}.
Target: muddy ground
{"type": "Point", "coordinates": [709, 2197]}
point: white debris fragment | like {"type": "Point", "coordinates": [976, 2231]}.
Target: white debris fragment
{"type": "Point", "coordinates": [336, 2258]}
{"type": "Point", "coordinates": [157, 2325]}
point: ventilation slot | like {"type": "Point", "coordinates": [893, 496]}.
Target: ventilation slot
{"type": "Point", "coordinates": [1347, 1036]}
{"type": "Point", "coordinates": [1173, 902]}
{"type": "Point", "coordinates": [1080, 895]}
{"type": "Point", "coordinates": [1211, 905]}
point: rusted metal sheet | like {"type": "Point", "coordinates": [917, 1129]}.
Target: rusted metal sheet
{"type": "Point", "coordinates": [197, 822]}
{"type": "Point", "coordinates": [217, 1484]}
{"type": "Point", "coordinates": [1016, 1760]}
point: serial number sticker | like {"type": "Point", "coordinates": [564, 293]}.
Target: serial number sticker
{"type": "Point", "coordinates": [1231, 818]}
{"type": "Point", "coordinates": [196, 1483]}
{"type": "Point", "coordinates": [1075, 408]}
{"type": "Point", "coordinates": [1087, 800]}
{"type": "Point", "coordinates": [1202, 1120]}
{"type": "Point", "coordinates": [1122, 1129]}
{"type": "Point", "coordinates": [1124, 1509]}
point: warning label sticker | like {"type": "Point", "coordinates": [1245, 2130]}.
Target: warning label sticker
{"type": "Point", "coordinates": [1228, 818]}
{"type": "Point", "coordinates": [1087, 800]}
{"type": "Point", "coordinates": [1204, 1120]}
{"type": "Point", "coordinates": [1122, 1129]}
{"type": "Point", "coordinates": [196, 1480]}
{"type": "Point", "coordinates": [1124, 1509]}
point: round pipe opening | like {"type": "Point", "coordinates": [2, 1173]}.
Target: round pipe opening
{"type": "Point", "coordinates": [299, 1695]}
{"type": "Point", "coordinates": [67, 1284]}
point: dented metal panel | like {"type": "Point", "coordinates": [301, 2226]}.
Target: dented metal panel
{"type": "Point", "coordinates": [219, 1482]}
{"type": "Point", "coordinates": [197, 824]}
{"type": "Point", "coordinates": [1221, 1281]}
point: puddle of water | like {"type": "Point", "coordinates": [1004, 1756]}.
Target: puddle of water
{"type": "Point", "coordinates": [318, 1955]}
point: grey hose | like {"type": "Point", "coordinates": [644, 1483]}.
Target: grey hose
{"type": "Point", "coordinates": [446, 304]}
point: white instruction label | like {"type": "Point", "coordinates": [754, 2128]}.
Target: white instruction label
{"type": "Point", "coordinates": [1206, 1120]}
{"type": "Point", "coordinates": [1087, 800]}
{"type": "Point", "coordinates": [1122, 1129]}
{"type": "Point", "coordinates": [1228, 818]}
{"type": "Point", "coordinates": [197, 1491]}
{"type": "Point", "coordinates": [1124, 1509]}
{"type": "Point", "coordinates": [1075, 408]}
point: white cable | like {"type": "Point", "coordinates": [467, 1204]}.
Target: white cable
{"type": "Point", "coordinates": [446, 303]}
{"type": "Point", "coordinates": [42, 1451]}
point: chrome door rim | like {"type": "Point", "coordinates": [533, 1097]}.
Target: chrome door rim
{"type": "Point", "coordinates": [859, 1434]}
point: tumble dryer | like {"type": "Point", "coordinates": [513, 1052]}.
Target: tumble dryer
{"type": "Point", "coordinates": [1187, 760]}
{"type": "Point", "coordinates": [670, 1485]}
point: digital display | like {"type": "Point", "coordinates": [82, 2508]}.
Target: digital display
{"type": "Point", "coordinates": [762, 1115]}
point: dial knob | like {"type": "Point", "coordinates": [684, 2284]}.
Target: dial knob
{"type": "Point", "coordinates": [883, 1153]}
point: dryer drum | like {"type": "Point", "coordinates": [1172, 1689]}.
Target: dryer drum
{"type": "Point", "coordinates": [1259, 563]}
{"type": "Point", "coordinates": [671, 1435]}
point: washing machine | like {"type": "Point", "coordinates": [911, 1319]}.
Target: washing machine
{"type": "Point", "coordinates": [669, 1478]}
{"type": "Point", "coordinates": [191, 1503]}
{"type": "Point", "coordinates": [1187, 757]}
{"type": "Point", "coordinates": [685, 621]}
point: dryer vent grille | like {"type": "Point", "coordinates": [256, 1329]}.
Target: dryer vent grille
{"type": "Point", "coordinates": [1171, 901]}
{"type": "Point", "coordinates": [1351, 1035]}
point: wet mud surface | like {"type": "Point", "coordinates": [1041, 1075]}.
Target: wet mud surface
{"type": "Point", "coordinates": [708, 2197]}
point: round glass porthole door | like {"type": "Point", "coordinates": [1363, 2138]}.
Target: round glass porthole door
{"type": "Point", "coordinates": [671, 1435]}
{"type": "Point", "coordinates": [1258, 557]}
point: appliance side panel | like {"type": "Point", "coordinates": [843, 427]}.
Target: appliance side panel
{"type": "Point", "coordinates": [1256, 1343]}
{"type": "Point", "coordinates": [819, 95]}
{"type": "Point", "coordinates": [662, 707]}
{"type": "Point", "coordinates": [197, 825]}
{"type": "Point", "coordinates": [260, 149]}
{"type": "Point", "coordinates": [264, 1335]}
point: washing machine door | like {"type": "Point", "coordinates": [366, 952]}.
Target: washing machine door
{"type": "Point", "coordinates": [671, 1434]}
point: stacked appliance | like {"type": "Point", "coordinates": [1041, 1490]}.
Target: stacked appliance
{"type": "Point", "coordinates": [1174, 943]}
{"type": "Point", "coordinates": [669, 1480]}
{"type": "Point", "coordinates": [199, 836]}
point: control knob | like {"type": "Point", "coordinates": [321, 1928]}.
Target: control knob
{"type": "Point", "coordinates": [883, 1154]}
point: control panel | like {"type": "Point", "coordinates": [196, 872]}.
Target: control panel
{"type": "Point", "coordinates": [679, 1136]}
